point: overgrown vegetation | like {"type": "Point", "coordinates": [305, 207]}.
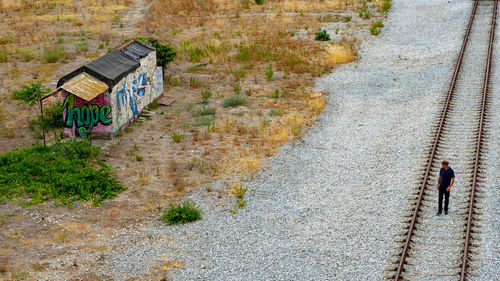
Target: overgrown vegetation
{"type": "Point", "coordinates": [234, 101]}
{"type": "Point", "coordinates": [66, 171]}
{"type": "Point", "coordinates": [182, 213]}
{"type": "Point", "coordinates": [30, 94]}
{"type": "Point", "coordinates": [322, 35]}
{"type": "Point", "coordinates": [164, 52]}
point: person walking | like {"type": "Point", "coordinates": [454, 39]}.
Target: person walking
{"type": "Point", "coordinates": [445, 182]}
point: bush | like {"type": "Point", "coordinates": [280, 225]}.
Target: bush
{"type": "Point", "coordinates": [153, 105]}
{"type": "Point", "coordinates": [176, 137]}
{"type": "Point", "coordinates": [259, 2]}
{"type": "Point", "coordinates": [30, 94]}
{"type": "Point", "coordinates": [376, 28]}
{"type": "Point", "coordinates": [387, 5]}
{"type": "Point", "coordinates": [205, 121]}
{"type": "Point", "coordinates": [322, 35]}
{"type": "Point", "coordinates": [82, 45]}
{"type": "Point", "coordinates": [182, 213]}
{"type": "Point", "coordinates": [269, 72]}
{"type": "Point", "coordinates": [206, 94]}
{"type": "Point", "coordinates": [52, 55]}
{"type": "Point", "coordinates": [234, 101]}
{"type": "Point", "coordinates": [67, 171]}
{"type": "Point", "coordinates": [164, 52]}
{"type": "Point", "coordinates": [52, 120]}
{"type": "Point", "coordinates": [203, 110]}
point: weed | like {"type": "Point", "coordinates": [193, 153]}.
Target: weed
{"type": "Point", "coordinates": [194, 83]}
{"type": "Point", "coordinates": [375, 29]}
{"type": "Point", "coordinates": [206, 94]}
{"type": "Point", "coordinates": [82, 45]}
{"type": "Point", "coordinates": [203, 110]}
{"type": "Point", "coordinates": [4, 55]}
{"type": "Point", "coordinates": [275, 112]}
{"type": "Point", "coordinates": [269, 72]}
{"type": "Point", "coordinates": [259, 2]}
{"type": "Point", "coordinates": [128, 129]}
{"type": "Point", "coordinates": [63, 171]}
{"type": "Point", "coordinates": [386, 6]}
{"type": "Point", "coordinates": [176, 137]}
{"type": "Point", "coordinates": [205, 121]}
{"type": "Point", "coordinates": [347, 18]}
{"type": "Point", "coordinates": [364, 12]}
{"type": "Point", "coordinates": [27, 54]}
{"type": "Point", "coordinates": [202, 166]}
{"type": "Point", "coordinates": [138, 158]}
{"type": "Point", "coordinates": [101, 45]}
{"type": "Point", "coordinates": [240, 202]}
{"type": "Point", "coordinates": [275, 94]}
{"type": "Point", "coordinates": [238, 190]}
{"type": "Point", "coordinates": [54, 54]}
{"type": "Point", "coordinates": [234, 101]}
{"type": "Point", "coordinates": [237, 89]}
{"type": "Point", "coordinates": [154, 105]}
{"type": "Point", "coordinates": [322, 35]}
{"type": "Point", "coordinates": [182, 213]}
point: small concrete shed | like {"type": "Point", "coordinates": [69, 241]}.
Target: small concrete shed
{"type": "Point", "coordinates": [106, 95]}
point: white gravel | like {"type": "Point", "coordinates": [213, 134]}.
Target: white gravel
{"type": "Point", "coordinates": [327, 207]}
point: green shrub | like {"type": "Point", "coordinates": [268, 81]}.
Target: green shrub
{"type": "Point", "coordinates": [52, 120]}
{"type": "Point", "coordinates": [54, 54]}
{"type": "Point", "coordinates": [375, 29]}
{"type": "Point", "coordinates": [182, 213]}
{"type": "Point", "coordinates": [234, 101]}
{"type": "Point", "coordinates": [387, 6]}
{"type": "Point", "coordinates": [30, 94]}
{"type": "Point", "coordinates": [269, 72]}
{"type": "Point", "coordinates": [82, 45]}
{"type": "Point", "coordinates": [205, 121]}
{"type": "Point", "coordinates": [164, 52]}
{"type": "Point", "coordinates": [138, 158]}
{"type": "Point", "coordinates": [237, 89]}
{"type": "Point", "coordinates": [67, 171]}
{"type": "Point", "coordinates": [203, 111]}
{"type": "Point", "coordinates": [27, 54]}
{"type": "Point", "coordinates": [322, 35]}
{"type": "Point", "coordinates": [364, 12]}
{"type": "Point", "coordinates": [259, 2]}
{"type": "Point", "coordinates": [153, 105]}
{"type": "Point", "coordinates": [206, 94]}
{"type": "Point", "coordinates": [176, 137]}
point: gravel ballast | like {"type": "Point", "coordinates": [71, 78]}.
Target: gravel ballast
{"type": "Point", "coordinates": [327, 206]}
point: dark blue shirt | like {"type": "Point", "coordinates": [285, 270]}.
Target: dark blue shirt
{"type": "Point", "coordinates": [446, 176]}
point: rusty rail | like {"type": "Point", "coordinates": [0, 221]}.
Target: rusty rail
{"type": "Point", "coordinates": [463, 271]}
{"type": "Point", "coordinates": [406, 247]}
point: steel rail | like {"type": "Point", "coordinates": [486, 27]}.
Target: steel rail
{"type": "Point", "coordinates": [406, 247]}
{"type": "Point", "coordinates": [465, 256]}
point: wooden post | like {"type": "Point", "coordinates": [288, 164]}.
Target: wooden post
{"type": "Point", "coordinates": [43, 129]}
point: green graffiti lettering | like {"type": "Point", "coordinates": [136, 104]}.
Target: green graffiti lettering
{"type": "Point", "coordinates": [86, 117]}
{"type": "Point", "coordinates": [105, 119]}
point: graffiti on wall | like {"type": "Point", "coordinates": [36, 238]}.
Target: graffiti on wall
{"type": "Point", "coordinates": [135, 92]}
{"type": "Point", "coordinates": [82, 117]}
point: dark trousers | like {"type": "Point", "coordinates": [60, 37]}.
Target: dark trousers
{"type": "Point", "coordinates": [446, 199]}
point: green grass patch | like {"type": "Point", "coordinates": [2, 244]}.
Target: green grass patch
{"type": "Point", "coordinates": [205, 121]}
{"type": "Point", "coordinates": [67, 171]}
{"type": "Point", "coordinates": [182, 213]}
{"type": "Point", "coordinates": [234, 101]}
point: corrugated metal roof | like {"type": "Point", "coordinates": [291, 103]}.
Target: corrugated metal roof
{"type": "Point", "coordinates": [85, 86]}
{"type": "Point", "coordinates": [136, 49]}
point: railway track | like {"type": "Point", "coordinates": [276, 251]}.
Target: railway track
{"type": "Point", "coordinates": [438, 247]}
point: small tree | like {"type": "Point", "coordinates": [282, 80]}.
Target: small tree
{"type": "Point", "coordinates": [30, 94]}
{"type": "Point", "coordinates": [164, 52]}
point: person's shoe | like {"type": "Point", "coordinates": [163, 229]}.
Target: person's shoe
{"type": "Point", "coordinates": [438, 213]}
{"type": "Point", "coordinates": [445, 212]}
